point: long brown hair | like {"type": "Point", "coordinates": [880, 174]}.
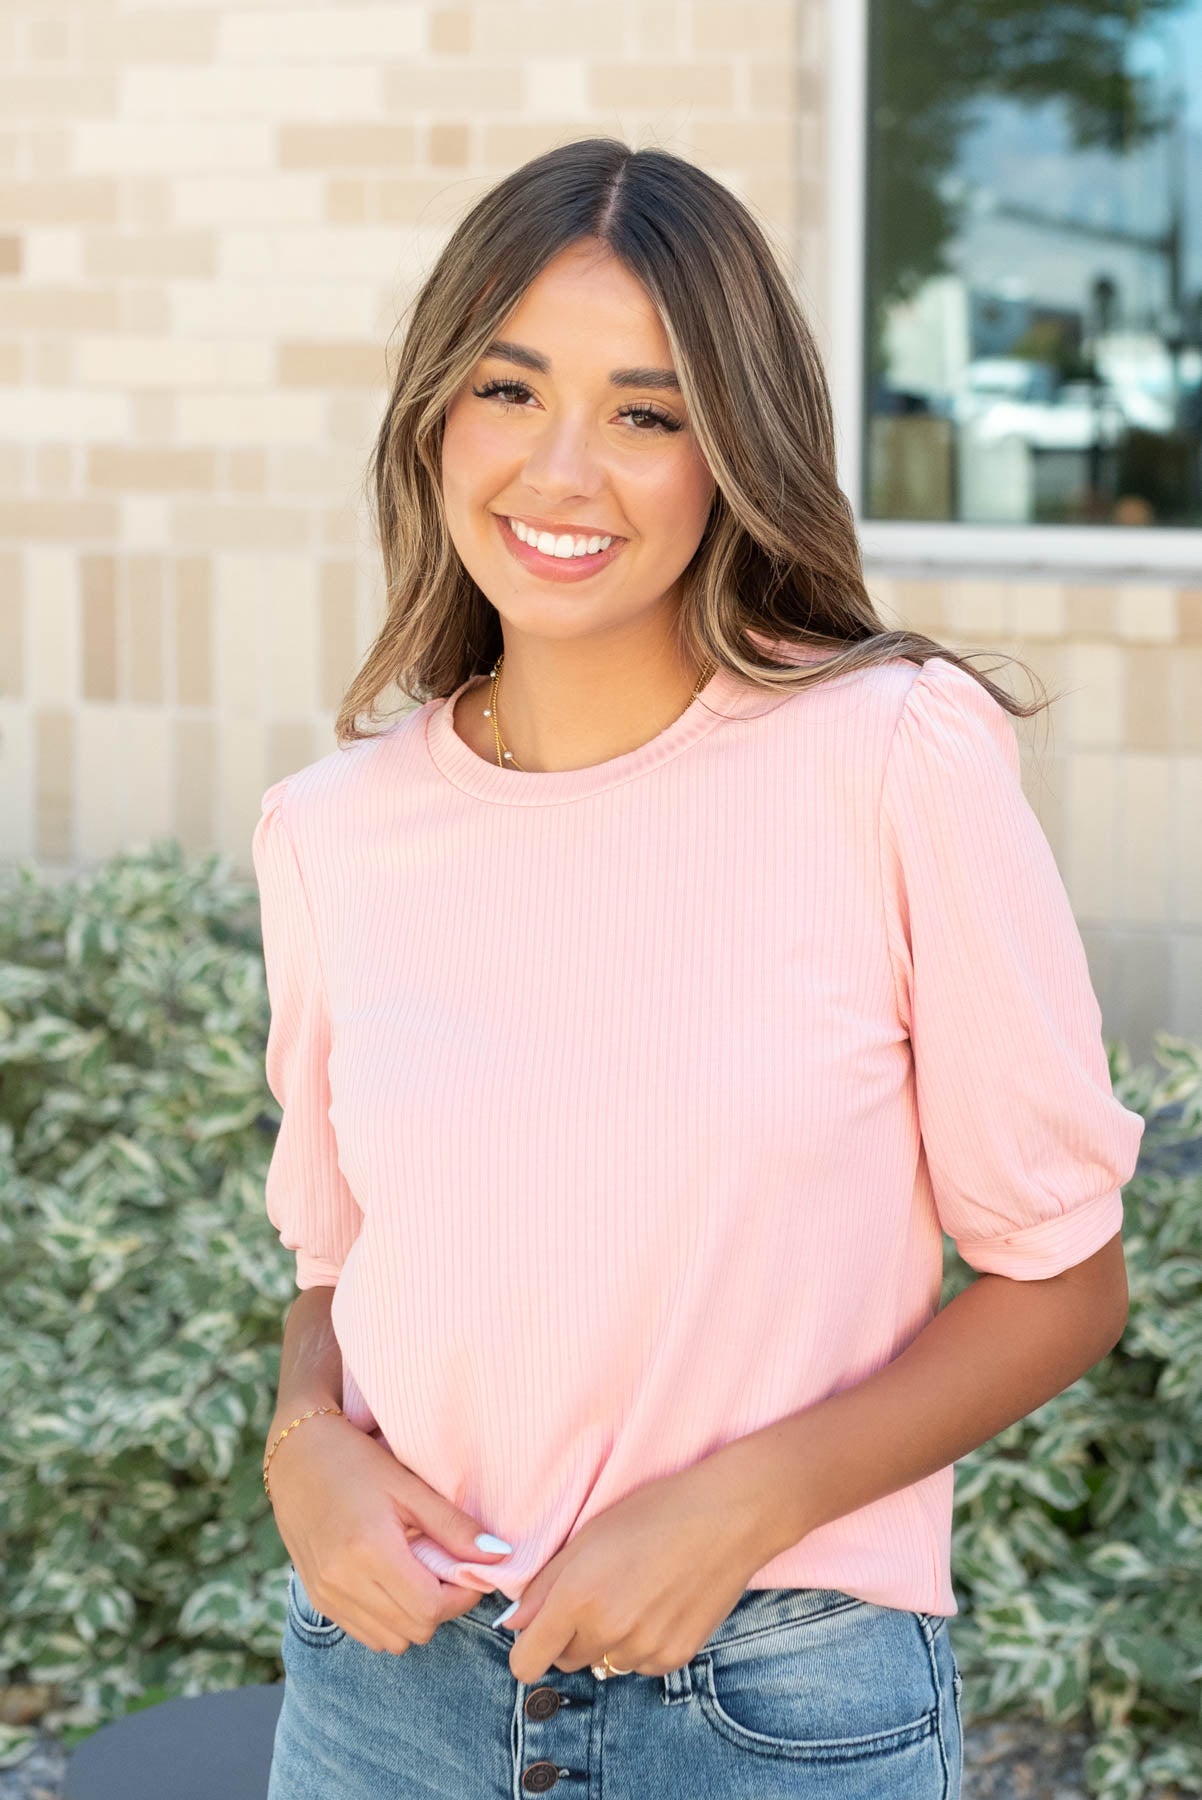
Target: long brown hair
{"type": "Point", "coordinates": [778, 559]}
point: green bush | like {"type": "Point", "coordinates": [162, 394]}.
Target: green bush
{"type": "Point", "coordinates": [145, 1289]}
{"type": "Point", "coordinates": [145, 1292]}
{"type": "Point", "coordinates": [1077, 1535]}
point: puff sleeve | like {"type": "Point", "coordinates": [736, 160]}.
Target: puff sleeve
{"type": "Point", "coordinates": [307, 1196]}
{"type": "Point", "coordinates": [1026, 1144]}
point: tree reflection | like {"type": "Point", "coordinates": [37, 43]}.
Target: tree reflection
{"type": "Point", "coordinates": [1026, 383]}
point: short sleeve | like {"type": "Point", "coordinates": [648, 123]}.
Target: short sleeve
{"type": "Point", "coordinates": [1027, 1146]}
{"type": "Point", "coordinates": [307, 1196]}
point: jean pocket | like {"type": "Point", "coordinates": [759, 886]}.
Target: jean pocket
{"type": "Point", "coordinates": [842, 1685]}
{"type": "Point", "coordinates": [312, 1626]}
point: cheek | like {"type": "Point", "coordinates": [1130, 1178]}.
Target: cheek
{"type": "Point", "coordinates": [672, 502]}
{"type": "Point", "coordinates": [469, 451]}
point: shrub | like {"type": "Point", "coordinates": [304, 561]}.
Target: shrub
{"type": "Point", "coordinates": [1077, 1535]}
{"type": "Point", "coordinates": [145, 1287]}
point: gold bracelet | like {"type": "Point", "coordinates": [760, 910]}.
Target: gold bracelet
{"type": "Point", "coordinates": [311, 1414]}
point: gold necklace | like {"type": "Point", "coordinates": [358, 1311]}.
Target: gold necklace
{"type": "Point", "coordinates": [490, 711]}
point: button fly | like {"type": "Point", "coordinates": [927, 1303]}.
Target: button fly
{"type": "Point", "coordinates": [539, 1777]}
{"type": "Point", "coordinates": [542, 1703]}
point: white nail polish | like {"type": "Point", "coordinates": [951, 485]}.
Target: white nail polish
{"type": "Point", "coordinates": [488, 1541]}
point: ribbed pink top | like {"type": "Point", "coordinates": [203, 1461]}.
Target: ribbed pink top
{"type": "Point", "coordinates": [625, 1105]}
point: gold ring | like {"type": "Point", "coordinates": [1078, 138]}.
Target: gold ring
{"type": "Point", "coordinates": [604, 1669]}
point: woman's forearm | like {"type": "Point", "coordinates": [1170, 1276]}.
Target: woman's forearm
{"type": "Point", "coordinates": [310, 1359]}
{"type": "Point", "coordinates": [994, 1354]}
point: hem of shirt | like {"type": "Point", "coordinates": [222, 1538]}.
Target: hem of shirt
{"type": "Point", "coordinates": [311, 1271]}
{"type": "Point", "coordinates": [1036, 1252]}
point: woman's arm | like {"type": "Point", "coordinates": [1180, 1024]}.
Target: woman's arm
{"type": "Point", "coordinates": [310, 1360]}
{"type": "Point", "coordinates": [994, 1354]}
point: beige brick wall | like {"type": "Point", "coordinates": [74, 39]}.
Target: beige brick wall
{"type": "Point", "coordinates": [211, 216]}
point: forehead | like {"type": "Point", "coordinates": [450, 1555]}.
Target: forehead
{"type": "Point", "coordinates": [586, 307]}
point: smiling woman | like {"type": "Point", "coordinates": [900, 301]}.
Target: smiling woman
{"type": "Point", "coordinates": [568, 456]}
{"type": "Point", "coordinates": [640, 1024]}
{"type": "Point", "coordinates": [607, 347]}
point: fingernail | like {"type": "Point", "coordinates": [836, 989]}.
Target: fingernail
{"type": "Point", "coordinates": [508, 1613]}
{"type": "Point", "coordinates": [487, 1541]}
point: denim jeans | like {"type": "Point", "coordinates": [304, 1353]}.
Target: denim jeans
{"type": "Point", "coordinates": [805, 1692]}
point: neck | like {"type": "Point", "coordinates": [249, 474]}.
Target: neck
{"type": "Point", "coordinates": [554, 715]}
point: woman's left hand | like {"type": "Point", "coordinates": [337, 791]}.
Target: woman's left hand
{"type": "Point", "coordinates": [648, 1580]}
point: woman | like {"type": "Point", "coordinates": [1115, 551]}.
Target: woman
{"type": "Point", "coordinates": [646, 1001]}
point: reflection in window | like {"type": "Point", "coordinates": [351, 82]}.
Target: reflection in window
{"type": "Point", "coordinates": [1033, 328]}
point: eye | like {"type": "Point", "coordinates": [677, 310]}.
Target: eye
{"type": "Point", "coordinates": [662, 421]}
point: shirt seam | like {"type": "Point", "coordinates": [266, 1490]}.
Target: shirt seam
{"type": "Point", "coordinates": [286, 829]}
{"type": "Point", "coordinates": [591, 793]}
{"type": "Point", "coordinates": [1034, 1228]}
{"type": "Point", "coordinates": [300, 882]}
{"type": "Point", "coordinates": [882, 895]}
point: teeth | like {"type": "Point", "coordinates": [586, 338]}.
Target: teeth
{"type": "Point", "coordinates": [564, 546]}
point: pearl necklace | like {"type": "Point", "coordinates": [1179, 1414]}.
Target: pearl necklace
{"type": "Point", "coordinates": [490, 711]}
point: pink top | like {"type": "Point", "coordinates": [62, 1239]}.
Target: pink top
{"type": "Point", "coordinates": [625, 1105]}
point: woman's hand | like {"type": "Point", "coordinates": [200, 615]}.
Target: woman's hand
{"type": "Point", "coordinates": [649, 1579]}
{"type": "Point", "coordinates": [346, 1510]}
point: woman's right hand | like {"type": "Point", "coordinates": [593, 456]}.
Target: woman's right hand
{"type": "Point", "coordinates": [346, 1509]}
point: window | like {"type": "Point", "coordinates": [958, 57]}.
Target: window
{"type": "Point", "coordinates": [1028, 335]}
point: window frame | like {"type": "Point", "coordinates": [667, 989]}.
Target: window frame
{"type": "Point", "coordinates": [1089, 550]}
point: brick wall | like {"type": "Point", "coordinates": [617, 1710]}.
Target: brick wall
{"type": "Point", "coordinates": [211, 216]}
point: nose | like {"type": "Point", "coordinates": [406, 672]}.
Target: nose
{"type": "Point", "coordinates": [562, 464]}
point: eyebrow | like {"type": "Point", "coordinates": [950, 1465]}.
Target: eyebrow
{"type": "Point", "coordinates": [507, 351]}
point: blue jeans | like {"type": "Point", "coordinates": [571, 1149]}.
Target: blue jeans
{"type": "Point", "coordinates": [805, 1692]}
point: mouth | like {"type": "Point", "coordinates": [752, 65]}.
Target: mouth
{"type": "Point", "coordinates": [556, 568]}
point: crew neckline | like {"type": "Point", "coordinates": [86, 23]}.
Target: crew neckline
{"type": "Point", "coordinates": [724, 695]}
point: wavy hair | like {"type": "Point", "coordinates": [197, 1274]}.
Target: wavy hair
{"type": "Point", "coordinates": [778, 561]}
